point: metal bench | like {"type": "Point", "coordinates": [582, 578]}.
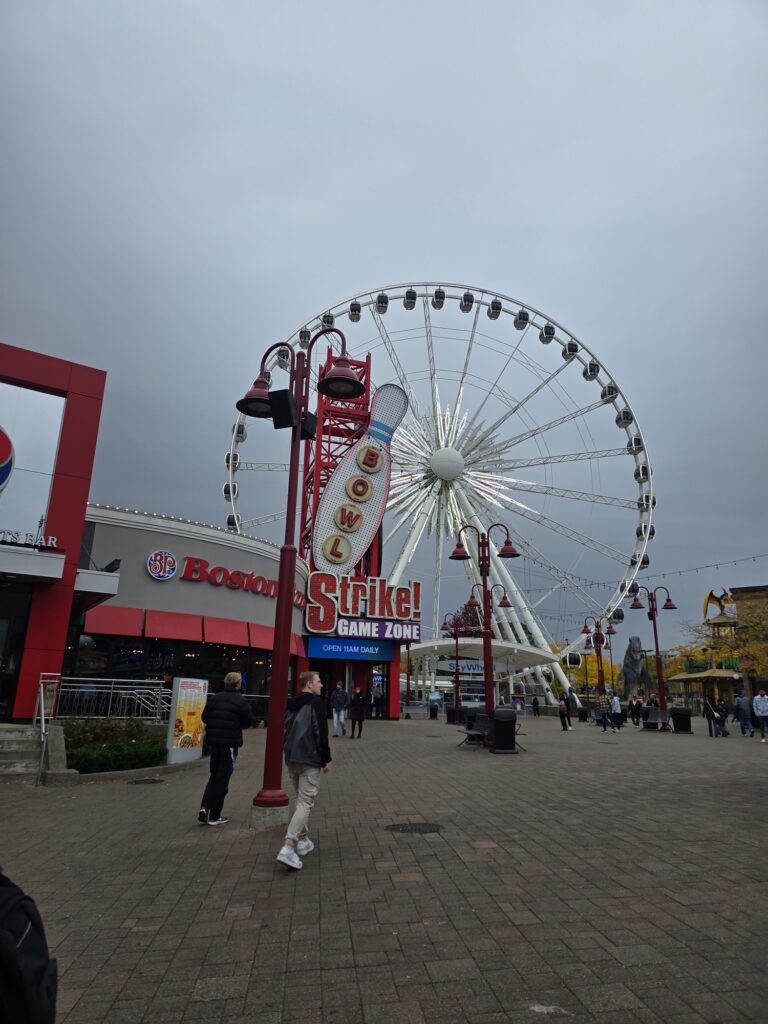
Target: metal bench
{"type": "Point", "coordinates": [654, 717]}
{"type": "Point", "coordinates": [476, 731]}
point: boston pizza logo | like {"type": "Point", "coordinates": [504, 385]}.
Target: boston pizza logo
{"type": "Point", "coordinates": [6, 459]}
{"type": "Point", "coordinates": [162, 565]}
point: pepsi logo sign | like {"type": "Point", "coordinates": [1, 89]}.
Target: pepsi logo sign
{"type": "Point", "coordinates": [162, 565]}
{"type": "Point", "coordinates": [6, 458]}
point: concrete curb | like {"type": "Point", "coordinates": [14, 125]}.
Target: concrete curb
{"type": "Point", "coordinates": [139, 773]}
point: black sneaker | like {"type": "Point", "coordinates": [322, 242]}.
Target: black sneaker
{"type": "Point", "coordinates": [202, 815]}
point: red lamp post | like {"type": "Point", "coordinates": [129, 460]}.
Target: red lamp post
{"type": "Point", "coordinates": [668, 606]}
{"type": "Point", "coordinates": [596, 638]}
{"type": "Point", "coordinates": [407, 672]}
{"type": "Point", "coordinates": [339, 382]}
{"type": "Point", "coordinates": [460, 553]}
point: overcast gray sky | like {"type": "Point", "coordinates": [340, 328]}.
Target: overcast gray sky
{"type": "Point", "coordinates": [182, 183]}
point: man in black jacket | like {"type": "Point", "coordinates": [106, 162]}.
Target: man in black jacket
{"type": "Point", "coordinates": [225, 715]}
{"type": "Point", "coordinates": [306, 754]}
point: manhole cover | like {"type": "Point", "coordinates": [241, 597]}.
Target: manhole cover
{"type": "Point", "coordinates": [421, 827]}
{"type": "Point", "coordinates": [144, 782]}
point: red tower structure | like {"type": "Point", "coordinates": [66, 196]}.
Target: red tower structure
{"type": "Point", "coordinates": [340, 423]}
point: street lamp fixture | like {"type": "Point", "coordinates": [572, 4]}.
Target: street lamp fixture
{"type": "Point", "coordinates": [460, 554]}
{"type": "Point", "coordinates": [596, 640]}
{"type": "Point", "coordinates": [339, 382]}
{"type": "Point", "coordinates": [453, 625]}
{"type": "Point", "coordinates": [668, 606]}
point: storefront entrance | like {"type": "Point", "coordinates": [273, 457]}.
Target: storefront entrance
{"type": "Point", "coordinates": [15, 600]}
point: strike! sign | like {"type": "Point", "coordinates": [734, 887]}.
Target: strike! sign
{"type": "Point", "coordinates": [331, 597]}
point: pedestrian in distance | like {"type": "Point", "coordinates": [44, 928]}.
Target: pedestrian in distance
{"type": "Point", "coordinates": [307, 755]}
{"type": "Point", "coordinates": [225, 715]}
{"type": "Point", "coordinates": [339, 703]}
{"type": "Point", "coordinates": [760, 707]}
{"type": "Point", "coordinates": [378, 699]}
{"type": "Point", "coordinates": [722, 709]}
{"type": "Point", "coordinates": [743, 706]}
{"type": "Point", "coordinates": [357, 712]}
{"type": "Point", "coordinates": [616, 716]}
{"type": "Point", "coordinates": [712, 715]}
{"type": "Point", "coordinates": [535, 707]}
{"type": "Point", "coordinates": [604, 711]}
{"type": "Point", "coordinates": [562, 707]}
{"type": "Point", "coordinates": [634, 708]}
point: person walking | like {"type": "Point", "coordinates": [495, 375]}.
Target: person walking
{"type": "Point", "coordinates": [743, 707]}
{"type": "Point", "coordinates": [535, 707]}
{"type": "Point", "coordinates": [604, 710]}
{"type": "Point", "coordinates": [225, 715]}
{"type": "Point", "coordinates": [616, 712]}
{"type": "Point", "coordinates": [722, 709]}
{"type": "Point", "coordinates": [760, 707]}
{"type": "Point", "coordinates": [339, 702]}
{"type": "Point", "coordinates": [307, 754]}
{"type": "Point", "coordinates": [562, 707]}
{"type": "Point", "coordinates": [378, 699]}
{"type": "Point", "coordinates": [357, 712]}
{"type": "Point", "coordinates": [712, 716]}
{"type": "Point", "coordinates": [634, 707]}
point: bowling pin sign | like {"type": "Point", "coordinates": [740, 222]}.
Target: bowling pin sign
{"type": "Point", "coordinates": [352, 505]}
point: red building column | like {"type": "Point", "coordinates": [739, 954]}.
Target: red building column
{"type": "Point", "coordinates": [82, 387]}
{"type": "Point", "coordinates": [393, 710]}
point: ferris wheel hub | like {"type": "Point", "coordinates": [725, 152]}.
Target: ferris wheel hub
{"type": "Point", "coordinates": [447, 464]}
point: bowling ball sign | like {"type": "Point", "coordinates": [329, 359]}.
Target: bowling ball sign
{"type": "Point", "coordinates": [6, 459]}
{"type": "Point", "coordinates": [162, 565]}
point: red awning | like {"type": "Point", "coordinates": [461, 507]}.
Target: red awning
{"type": "Point", "coordinates": [113, 620]}
{"type": "Point", "coordinates": [298, 646]}
{"type": "Point", "coordinates": [173, 626]}
{"type": "Point", "coordinates": [261, 636]}
{"type": "Point", "coordinates": [225, 631]}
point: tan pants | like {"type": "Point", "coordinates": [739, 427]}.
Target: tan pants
{"type": "Point", "coordinates": [306, 783]}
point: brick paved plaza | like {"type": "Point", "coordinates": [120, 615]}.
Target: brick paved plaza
{"type": "Point", "coordinates": [595, 878]}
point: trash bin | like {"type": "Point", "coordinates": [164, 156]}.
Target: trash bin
{"type": "Point", "coordinates": [504, 728]}
{"type": "Point", "coordinates": [583, 713]}
{"type": "Point", "coordinates": [433, 710]}
{"type": "Point", "coordinates": [450, 716]}
{"type": "Point", "coordinates": [681, 719]}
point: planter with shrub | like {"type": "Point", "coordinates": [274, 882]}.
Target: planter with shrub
{"type": "Point", "coordinates": [113, 745]}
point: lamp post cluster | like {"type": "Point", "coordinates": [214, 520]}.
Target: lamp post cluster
{"type": "Point", "coordinates": [456, 624]}
{"type": "Point", "coordinates": [290, 409]}
{"type": "Point", "coordinates": [596, 638]}
{"type": "Point", "coordinates": [668, 606]}
{"type": "Point", "coordinates": [460, 553]}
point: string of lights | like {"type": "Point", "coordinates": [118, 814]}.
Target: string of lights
{"type": "Point", "coordinates": [607, 584]}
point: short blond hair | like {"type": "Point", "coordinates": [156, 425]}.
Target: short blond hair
{"type": "Point", "coordinates": [232, 680]}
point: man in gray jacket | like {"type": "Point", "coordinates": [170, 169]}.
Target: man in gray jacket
{"type": "Point", "coordinates": [307, 753]}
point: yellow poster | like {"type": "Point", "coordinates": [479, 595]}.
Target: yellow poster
{"type": "Point", "coordinates": [185, 727]}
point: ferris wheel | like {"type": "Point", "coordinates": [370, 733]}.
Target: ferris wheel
{"type": "Point", "coordinates": [512, 419]}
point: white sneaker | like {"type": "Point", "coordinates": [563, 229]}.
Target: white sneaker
{"type": "Point", "coordinates": [304, 846]}
{"type": "Point", "coordinates": [570, 728]}
{"type": "Point", "coordinates": [762, 741]}
{"type": "Point", "coordinates": [290, 858]}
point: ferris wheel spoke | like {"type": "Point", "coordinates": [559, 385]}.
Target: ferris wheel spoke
{"type": "Point", "coordinates": [396, 364]}
{"type": "Point", "coordinates": [261, 520]}
{"type": "Point", "coordinates": [414, 535]}
{"type": "Point", "coordinates": [528, 486]}
{"type": "Point", "coordinates": [510, 465]}
{"type": "Point", "coordinates": [406, 514]}
{"type": "Point", "coordinates": [484, 452]}
{"type": "Point", "coordinates": [513, 410]}
{"type": "Point", "coordinates": [432, 373]}
{"type": "Point", "coordinates": [551, 524]}
{"type": "Point", "coordinates": [270, 467]}
{"type": "Point", "coordinates": [493, 386]}
{"type": "Point", "coordinates": [467, 358]}
{"type": "Point", "coordinates": [438, 576]}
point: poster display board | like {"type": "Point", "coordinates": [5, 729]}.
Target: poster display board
{"type": "Point", "coordinates": [185, 724]}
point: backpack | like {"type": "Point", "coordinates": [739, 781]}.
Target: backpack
{"type": "Point", "coordinates": [28, 975]}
